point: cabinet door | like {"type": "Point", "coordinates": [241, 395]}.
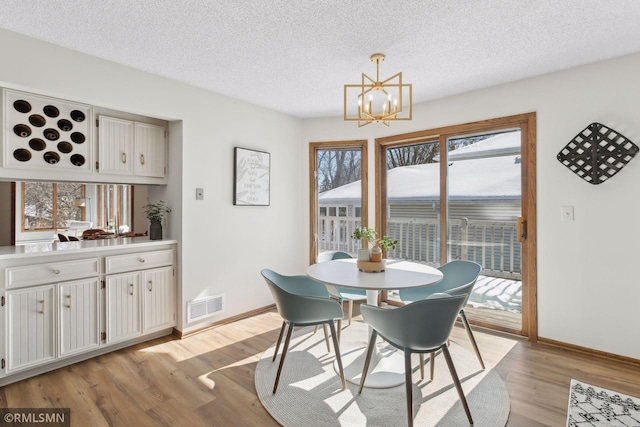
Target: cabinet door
{"type": "Point", "coordinates": [30, 327]}
{"type": "Point", "coordinates": [123, 307]}
{"type": "Point", "coordinates": [116, 145]}
{"type": "Point", "coordinates": [159, 298]}
{"type": "Point", "coordinates": [149, 150]}
{"type": "Point", "coordinates": [78, 308]}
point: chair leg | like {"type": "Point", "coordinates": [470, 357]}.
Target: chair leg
{"type": "Point", "coordinates": [326, 337]}
{"type": "Point", "coordinates": [422, 366]}
{"type": "Point", "coordinates": [465, 322]}
{"type": "Point", "coordinates": [408, 383]}
{"type": "Point", "coordinates": [284, 354]}
{"type": "Point", "coordinates": [275, 353]}
{"type": "Point", "coordinates": [432, 365]}
{"type": "Point", "coordinates": [336, 345]}
{"type": "Point", "coordinates": [456, 381]}
{"type": "Point", "coordinates": [367, 359]}
{"type": "Point", "coordinates": [315, 329]}
{"type": "Point", "coordinates": [350, 310]}
{"type": "Point", "coordinates": [339, 330]}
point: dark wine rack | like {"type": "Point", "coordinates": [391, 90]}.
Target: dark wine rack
{"type": "Point", "coordinates": [46, 133]}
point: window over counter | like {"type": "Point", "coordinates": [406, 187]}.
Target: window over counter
{"type": "Point", "coordinates": [54, 207]}
{"type": "Point", "coordinates": [50, 205]}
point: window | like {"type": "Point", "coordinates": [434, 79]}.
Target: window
{"type": "Point", "coordinates": [338, 170]}
{"type": "Point", "coordinates": [114, 207]}
{"type": "Point", "coordinates": [50, 205]}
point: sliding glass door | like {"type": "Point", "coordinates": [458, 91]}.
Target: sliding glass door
{"type": "Point", "coordinates": [455, 193]}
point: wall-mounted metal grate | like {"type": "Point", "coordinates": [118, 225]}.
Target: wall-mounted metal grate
{"type": "Point", "coordinates": [597, 153]}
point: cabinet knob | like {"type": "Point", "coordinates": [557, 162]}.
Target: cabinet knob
{"type": "Point", "coordinates": [141, 259]}
{"type": "Point", "coordinates": [56, 271]}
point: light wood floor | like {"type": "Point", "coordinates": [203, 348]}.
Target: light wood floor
{"type": "Point", "coordinates": [207, 379]}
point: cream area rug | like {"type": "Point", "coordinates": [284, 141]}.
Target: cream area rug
{"type": "Point", "coordinates": [591, 406]}
{"type": "Point", "coordinates": [310, 392]}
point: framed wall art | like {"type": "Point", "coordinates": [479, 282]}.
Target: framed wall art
{"type": "Point", "coordinates": [252, 172]}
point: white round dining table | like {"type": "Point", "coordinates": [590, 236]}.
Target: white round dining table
{"type": "Point", "coordinates": [387, 366]}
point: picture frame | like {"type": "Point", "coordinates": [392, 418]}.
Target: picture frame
{"type": "Point", "coordinates": [252, 173]}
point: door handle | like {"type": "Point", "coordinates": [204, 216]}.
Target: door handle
{"type": "Point", "coordinates": [124, 157]}
{"type": "Point", "coordinates": [142, 159]}
{"type": "Point", "coordinates": [42, 302]}
{"type": "Point", "coordinates": [150, 286]}
{"type": "Point", "coordinates": [69, 305]}
{"type": "Point", "coordinates": [130, 288]}
{"type": "Point", "coordinates": [522, 229]}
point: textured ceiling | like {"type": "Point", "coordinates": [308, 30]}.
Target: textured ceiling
{"type": "Point", "coordinates": [295, 56]}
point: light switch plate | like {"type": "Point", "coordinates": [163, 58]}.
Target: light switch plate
{"type": "Point", "coordinates": [567, 213]}
{"type": "Point", "coordinates": [199, 193]}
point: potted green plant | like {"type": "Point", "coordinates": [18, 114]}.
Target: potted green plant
{"type": "Point", "coordinates": [155, 213]}
{"type": "Point", "coordinates": [386, 244]}
{"type": "Point", "coordinates": [366, 235]}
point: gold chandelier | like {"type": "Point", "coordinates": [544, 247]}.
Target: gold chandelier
{"type": "Point", "coordinates": [375, 101]}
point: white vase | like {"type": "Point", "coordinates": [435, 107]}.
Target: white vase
{"type": "Point", "coordinates": [364, 254]}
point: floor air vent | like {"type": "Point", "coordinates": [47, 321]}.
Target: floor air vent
{"type": "Point", "coordinates": [202, 308]}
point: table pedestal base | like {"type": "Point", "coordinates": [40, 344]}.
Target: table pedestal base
{"type": "Point", "coordinates": [386, 369]}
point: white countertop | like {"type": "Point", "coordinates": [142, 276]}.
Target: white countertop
{"type": "Point", "coordinates": [62, 248]}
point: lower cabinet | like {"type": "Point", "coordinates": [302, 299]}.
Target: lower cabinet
{"type": "Point", "coordinates": [123, 307]}
{"type": "Point", "coordinates": [159, 299]}
{"type": "Point", "coordinates": [31, 327]}
{"type": "Point", "coordinates": [79, 314]}
{"type": "Point", "coordinates": [140, 302]}
{"type": "Point", "coordinates": [49, 314]}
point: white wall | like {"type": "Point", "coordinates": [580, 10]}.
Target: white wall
{"type": "Point", "coordinates": [588, 285]}
{"type": "Point", "coordinates": [223, 247]}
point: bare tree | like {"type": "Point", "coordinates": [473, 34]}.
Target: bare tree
{"type": "Point", "coordinates": [337, 168]}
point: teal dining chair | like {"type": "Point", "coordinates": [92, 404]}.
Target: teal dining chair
{"type": "Point", "coordinates": [343, 294]}
{"type": "Point", "coordinates": [300, 285]}
{"type": "Point", "coordinates": [404, 328]}
{"type": "Point", "coordinates": [301, 302]}
{"type": "Point", "coordinates": [459, 277]}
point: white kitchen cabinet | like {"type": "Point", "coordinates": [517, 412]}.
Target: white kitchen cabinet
{"type": "Point", "coordinates": [159, 299]}
{"type": "Point", "coordinates": [79, 315]}
{"type": "Point", "coordinates": [123, 307]}
{"type": "Point", "coordinates": [60, 304]}
{"type": "Point", "coordinates": [31, 327]}
{"type": "Point", "coordinates": [115, 139]}
{"type": "Point", "coordinates": [149, 150]}
{"type": "Point", "coordinates": [131, 148]}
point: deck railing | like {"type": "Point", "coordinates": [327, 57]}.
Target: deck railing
{"type": "Point", "coordinates": [492, 244]}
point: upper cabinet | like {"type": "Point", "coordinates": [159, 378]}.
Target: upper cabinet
{"type": "Point", "coordinates": [149, 149]}
{"type": "Point", "coordinates": [115, 139]}
{"type": "Point", "coordinates": [46, 138]}
{"type": "Point", "coordinates": [131, 148]}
